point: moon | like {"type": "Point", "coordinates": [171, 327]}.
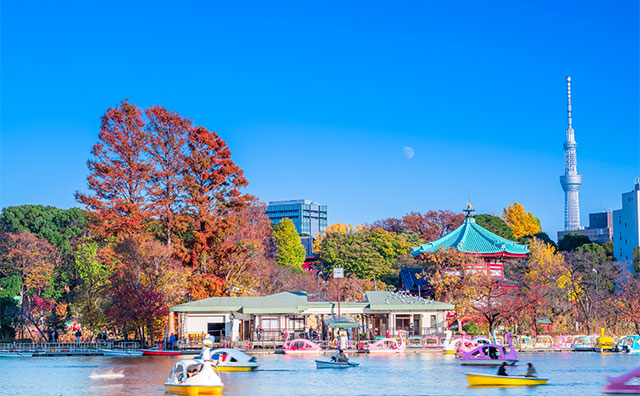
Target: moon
{"type": "Point", "coordinates": [408, 152]}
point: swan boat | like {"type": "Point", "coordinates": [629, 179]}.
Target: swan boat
{"type": "Point", "coordinates": [227, 359]}
{"type": "Point", "coordinates": [449, 345]}
{"type": "Point", "coordinates": [624, 384]}
{"type": "Point", "coordinates": [585, 343]}
{"type": "Point", "coordinates": [476, 379]}
{"type": "Point", "coordinates": [387, 345]}
{"type": "Point", "coordinates": [195, 377]}
{"type": "Point", "coordinates": [604, 344]}
{"type": "Point", "coordinates": [322, 364]}
{"type": "Point", "coordinates": [490, 355]}
{"type": "Point", "coordinates": [629, 344]}
{"type": "Point", "coordinates": [299, 346]}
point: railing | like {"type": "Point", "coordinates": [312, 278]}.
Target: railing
{"type": "Point", "coordinates": [55, 347]}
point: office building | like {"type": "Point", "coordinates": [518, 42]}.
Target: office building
{"type": "Point", "coordinates": [309, 217]}
{"type": "Point", "coordinates": [626, 226]}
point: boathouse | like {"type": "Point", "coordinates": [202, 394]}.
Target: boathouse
{"type": "Point", "coordinates": [240, 319]}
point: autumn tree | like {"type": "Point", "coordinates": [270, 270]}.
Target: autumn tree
{"type": "Point", "coordinates": [432, 224]}
{"type": "Point", "coordinates": [167, 135]}
{"type": "Point", "coordinates": [521, 222]}
{"type": "Point", "coordinates": [627, 302]}
{"type": "Point", "coordinates": [31, 260]}
{"type": "Point", "coordinates": [146, 280]}
{"type": "Point", "coordinates": [211, 183]}
{"type": "Point", "coordinates": [119, 173]}
{"type": "Point", "coordinates": [248, 246]}
{"type": "Point", "coordinates": [291, 252]}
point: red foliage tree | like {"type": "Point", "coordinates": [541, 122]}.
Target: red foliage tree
{"type": "Point", "coordinates": [211, 182]}
{"type": "Point", "coordinates": [433, 224]}
{"type": "Point", "coordinates": [119, 174]}
{"type": "Point", "coordinates": [166, 148]}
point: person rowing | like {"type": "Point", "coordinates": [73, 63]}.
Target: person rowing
{"type": "Point", "coordinates": [503, 369]}
{"type": "Point", "coordinates": [531, 371]}
{"type": "Point", "coordinates": [339, 357]}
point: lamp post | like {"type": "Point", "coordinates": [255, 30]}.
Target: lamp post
{"type": "Point", "coordinates": [596, 271]}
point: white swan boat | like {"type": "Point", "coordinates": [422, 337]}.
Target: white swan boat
{"type": "Point", "coordinates": [195, 377]}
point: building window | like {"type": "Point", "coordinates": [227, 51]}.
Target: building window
{"type": "Point", "coordinates": [403, 322]}
{"type": "Point", "coordinates": [434, 321]}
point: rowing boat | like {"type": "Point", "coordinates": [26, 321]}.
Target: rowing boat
{"type": "Point", "coordinates": [321, 364]}
{"type": "Point", "coordinates": [476, 379]}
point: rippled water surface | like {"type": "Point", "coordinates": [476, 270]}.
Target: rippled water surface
{"type": "Point", "coordinates": [403, 374]}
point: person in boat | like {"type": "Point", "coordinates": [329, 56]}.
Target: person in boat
{"type": "Point", "coordinates": [503, 369]}
{"type": "Point", "coordinates": [531, 371]}
{"type": "Point", "coordinates": [339, 357]}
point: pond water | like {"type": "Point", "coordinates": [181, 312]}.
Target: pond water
{"type": "Point", "coordinates": [402, 374]}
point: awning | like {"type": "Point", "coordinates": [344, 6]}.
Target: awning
{"type": "Point", "coordinates": [344, 325]}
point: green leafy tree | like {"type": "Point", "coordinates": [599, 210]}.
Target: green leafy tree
{"type": "Point", "coordinates": [608, 248]}
{"type": "Point", "coordinates": [495, 225]}
{"type": "Point", "coordinates": [370, 253]}
{"type": "Point", "coordinates": [291, 252]}
{"type": "Point", "coordinates": [527, 239]}
{"type": "Point", "coordinates": [571, 241]}
{"type": "Point", "coordinates": [94, 276]}
{"type": "Point", "coordinates": [636, 259]}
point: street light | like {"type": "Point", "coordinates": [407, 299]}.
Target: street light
{"type": "Point", "coordinates": [596, 271]}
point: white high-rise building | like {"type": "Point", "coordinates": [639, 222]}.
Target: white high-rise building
{"type": "Point", "coordinates": [571, 180]}
{"type": "Point", "coordinates": [626, 225]}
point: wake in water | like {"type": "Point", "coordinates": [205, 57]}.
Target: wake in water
{"type": "Point", "coordinates": [107, 374]}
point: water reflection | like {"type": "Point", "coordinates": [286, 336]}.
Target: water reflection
{"type": "Point", "coordinates": [399, 374]}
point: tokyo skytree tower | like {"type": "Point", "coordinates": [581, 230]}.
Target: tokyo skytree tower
{"type": "Point", "coordinates": [571, 180]}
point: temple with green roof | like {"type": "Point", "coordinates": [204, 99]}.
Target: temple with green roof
{"type": "Point", "coordinates": [470, 238]}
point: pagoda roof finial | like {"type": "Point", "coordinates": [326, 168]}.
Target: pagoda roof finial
{"type": "Point", "coordinates": [469, 210]}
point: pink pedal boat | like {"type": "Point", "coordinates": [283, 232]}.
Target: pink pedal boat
{"type": "Point", "coordinates": [490, 355]}
{"type": "Point", "coordinates": [388, 345]}
{"type": "Point", "coordinates": [299, 346]}
{"type": "Point", "coordinates": [622, 385]}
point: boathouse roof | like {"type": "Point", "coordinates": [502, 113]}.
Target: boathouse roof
{"type": "Point", "coordinates": [473, 239]}
{"type": "Point", "coordinates": [296, 302]}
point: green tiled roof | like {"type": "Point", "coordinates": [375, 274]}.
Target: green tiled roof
{"type": "Point", "coordinates": [471, 238]}
{"type": "Point", "coordinates": [288, 302]}
{"type": "Point", "coordinates": [384, 301]}
{"type": "Point", "coordinates": [294, 302]}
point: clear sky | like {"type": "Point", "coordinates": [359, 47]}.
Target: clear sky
{"type": "Point", "coordinates": [317, 100]}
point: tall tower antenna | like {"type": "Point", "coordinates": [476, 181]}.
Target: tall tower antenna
{"type": "Point", "coordinates": [571, 180]}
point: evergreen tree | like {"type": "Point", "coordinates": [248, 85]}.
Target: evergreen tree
{"type": "Point", "coordinates": [495, 225]}
{"type": "Point", "coordinates": [291, 253]}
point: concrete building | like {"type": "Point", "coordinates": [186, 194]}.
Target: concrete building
{"type": "Point", "coordinates": [600, 228]}
{"type": "Point", "coordinates": [626, 225]}
{"type": "Point", "coordinates": [238, 319]}
{"type": "Point", "coordinates": [308, 216]}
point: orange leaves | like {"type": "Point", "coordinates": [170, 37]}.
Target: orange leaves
{"type": "Point", "coordinates": [205, 286]}
{"type": "Point", "coordinates": [31, 258]}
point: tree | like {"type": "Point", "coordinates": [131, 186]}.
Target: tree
{"type": "Point", "coordinates": [211, 182]}
{"type": "Point", "coordinates": [248, 246]}
{"type": "Point", "coordinates": [119, 172]}
{"type": "Point", "coordinates": [495, 225]}
{"type": "Point", "coordinates": [146, 280]}
{"type": "Point", "coordinates": [390, 224]}
{"type": "Point", "coordinates": [31, 260]}
{"type": "Point", "coordinates": [291, 253]}
{"type": "Point", "coordinates": [628, 300]}
{"type": "Point", "coordinates": [521, 222]}
{"type": "Point", "coordinates": [94, 273]}
{"type": "Point", "coordinates": [367, 254]}
{"type": "Point", "coordinates": [433, 224]}
{"type": "Point", "coordinates": [571, 241]}
{"type": "Point", "coordinates": [167, 133]}
{"type": "Point", "coordinates": [636, 259]}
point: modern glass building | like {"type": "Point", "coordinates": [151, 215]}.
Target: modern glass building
{"type": "Point", "coordinates": [308, 216]}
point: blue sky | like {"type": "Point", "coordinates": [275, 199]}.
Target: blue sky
{"type": "Point", "coordinates": [318, 99]}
